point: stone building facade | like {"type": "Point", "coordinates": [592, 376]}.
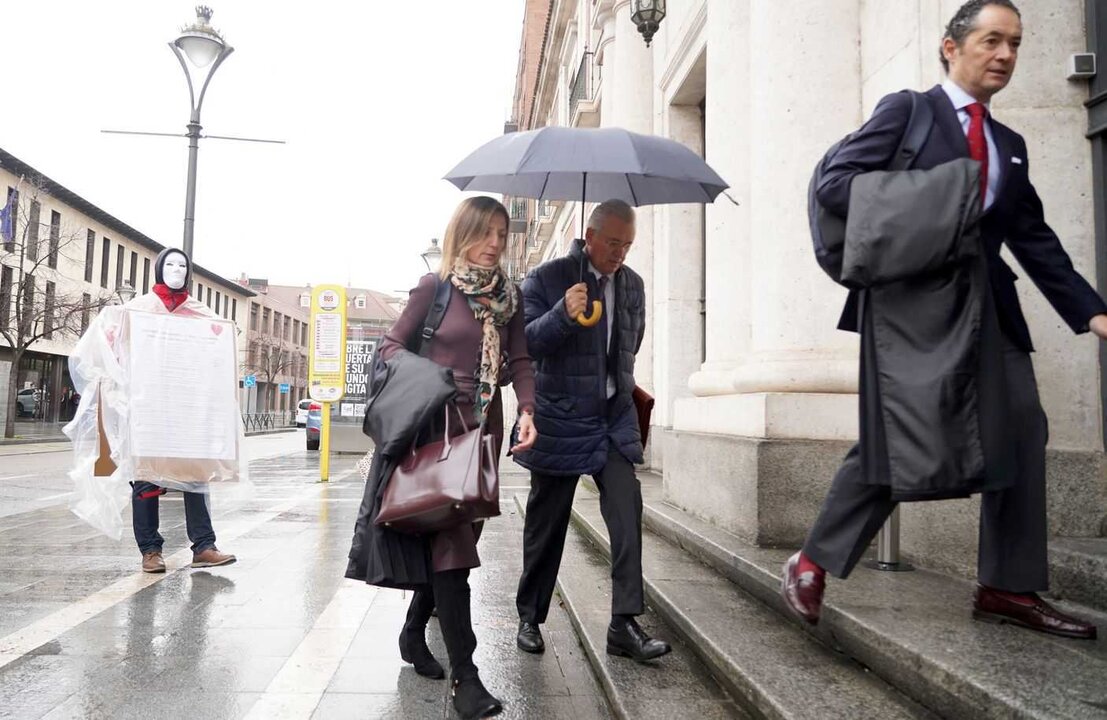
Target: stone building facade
{"type": "Point", "coordinates": [756, 389]}
{"type": "Point", "coordinates": [97, 254]}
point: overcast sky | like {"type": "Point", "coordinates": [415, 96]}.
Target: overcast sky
{"type": "Point", "coordinates": [377, 101]}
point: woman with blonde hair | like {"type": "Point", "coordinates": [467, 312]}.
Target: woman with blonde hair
{"type": "Point", "coordinates": [482, 339]}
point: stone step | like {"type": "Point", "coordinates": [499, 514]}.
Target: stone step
{"type": "Point", "coordinates": [773, 668]}
{"type": "Point", "coordinates": [915, 630]}
{"type": "Point", "coordinates": [676, 686]}
{"type": "Point", "coordinates": [1078, 571]}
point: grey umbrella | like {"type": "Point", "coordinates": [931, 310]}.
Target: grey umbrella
{"type": "Point", "coordinates": [560, 163]}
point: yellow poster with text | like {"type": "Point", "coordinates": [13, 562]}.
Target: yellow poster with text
{"type": "Point", "coordinates": [327, 349]}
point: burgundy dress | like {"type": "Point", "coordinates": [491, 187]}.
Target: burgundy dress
{"type": "Point", "coordinates": [456, 345]}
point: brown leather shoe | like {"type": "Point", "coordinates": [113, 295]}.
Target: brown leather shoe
{"type": "Point", "coordinates": [803, 592]}
{"type": "Point", "coordinates": [1028, 611]}
{"type": "Point", "coordinates": [152, 562]}
{"type": "Point", "coordinates": [210, 558]}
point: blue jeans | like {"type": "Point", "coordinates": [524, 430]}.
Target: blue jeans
{"type": "Point", "coordinates": [144, 515]}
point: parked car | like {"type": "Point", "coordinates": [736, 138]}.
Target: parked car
{"type": "Point", "coordinates": [26, 401]}
{"type": "Point", "coordinates": [302, 413]}
{"type": "Point", "coordinates": [314, 425]}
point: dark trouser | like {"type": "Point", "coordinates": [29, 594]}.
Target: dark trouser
{"type": "Point", "coordinates": [144, 515]}
{"type": "Point", "coordinates": [451, 595]}
{"type": "Point", "coordinates": [548, 509]}
{"type": "Point", "coordinates": [1013, 528]}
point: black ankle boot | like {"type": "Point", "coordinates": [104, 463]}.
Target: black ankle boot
{"type": "Point", "coordinates": [473, 701]}
{"type": "Point", "coordinates": [413, 638]}
{"type": "Point", "coordinates": [414, 650]}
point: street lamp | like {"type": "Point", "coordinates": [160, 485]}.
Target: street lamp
{"type": "Point", "coordinates": [647, 15]}
{"type": "Point", "coordinates": [202, 45]}
{"type": "Point", "coordinates": [432, 256]}
{"type": "Point", "coordinates": [125, 292]}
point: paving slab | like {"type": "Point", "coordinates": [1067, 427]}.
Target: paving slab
{"type": "Point", "coordinates": [280, 633]}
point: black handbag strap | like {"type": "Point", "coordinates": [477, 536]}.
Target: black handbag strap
{"type": "Point", "coordinates": [437, 311]}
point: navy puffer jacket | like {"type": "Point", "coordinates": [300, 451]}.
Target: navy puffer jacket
{"type": "Point", "coordinates": [576, 424]}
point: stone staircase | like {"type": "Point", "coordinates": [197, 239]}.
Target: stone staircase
{"type": "Point", "coordinates": [890, 645]}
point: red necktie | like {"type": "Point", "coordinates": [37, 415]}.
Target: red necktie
{"type": "Point", "coordinates": [978, 145]}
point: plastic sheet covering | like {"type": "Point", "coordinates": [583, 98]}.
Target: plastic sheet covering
{"type": "Point", "coordinates": [100, 367]}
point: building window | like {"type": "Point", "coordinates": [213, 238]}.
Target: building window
{"type": "Point", "coordinates": [133, 275]}
{"type": "Point", "coordinates": [55, 237]}
{"type": "Point", "coordinates": [286, 335]}
{"type": "Point", "coordinates": [265, 320]}
{"type": "Point", "coordinates": [359, 302]}
{"type": "Point", "coordinates": [199, 291]}
{"type": "Point", "coordinates": [295, 331]}
{"type": "Point", "coordinates": [234, 309]}
{"type": "Point", "coordinates": [48, 311]}
{"type": "Point", "coordinates": [105, 261]}
{"type": "Point", "coordinates": [28, 311]}
{"type": "Point", "coordinates": [226, 306]}
{"type": "Point", "coordinates": [32, 230]}
{"type": "Point", "coordinates": [86, 303]}
{"type": "Point", "coordinates": [253, 316]}
{"type": "Point", "coordinates": [90, 255]}
{"type": "Point", "coordinates": [209, 296]}
{"type": "Point", "coordinates": [145, 275]}
{"type": "Point", "coordinates": [218, 303]}
{"type": "Point", "coordinates": [13, 203]}
{"type": "Point", "coordinates": [303, 334]}
{"type": "Point", "coordinates": [305, 300]}
{"type": "Point", "coordinates": [276, 324]}
{"type": "Point", "coordinates": [119, 265]}
{"type": "Point", "coordinates": [5, 296]}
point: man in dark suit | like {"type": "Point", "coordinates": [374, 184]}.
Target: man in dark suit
{"type": "Point", "coordinates": [587, 423]}
{"type": "Point", "coordinates": [979, 51]}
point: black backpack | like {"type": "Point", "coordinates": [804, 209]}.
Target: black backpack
{"type": "Point", "coordinates": [828, 231]}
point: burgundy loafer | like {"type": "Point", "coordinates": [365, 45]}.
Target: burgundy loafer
{"type": "Point", "coordinates": [1028, 611]}
{"type": "Point", "coordinates": [803, 592]}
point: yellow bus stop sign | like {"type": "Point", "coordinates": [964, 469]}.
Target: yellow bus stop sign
{"type": "Point", "coordinates": [327, 360]}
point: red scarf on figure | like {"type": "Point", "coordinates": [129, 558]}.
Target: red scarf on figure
{"type": "Point", "coordinates": [172, 299]}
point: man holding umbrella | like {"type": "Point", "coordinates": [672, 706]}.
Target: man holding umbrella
{"type": "Point", "coordinates": [587, 423]}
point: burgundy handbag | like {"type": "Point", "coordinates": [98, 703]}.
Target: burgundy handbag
{"type": "Point", "coordinates": [444, 483]}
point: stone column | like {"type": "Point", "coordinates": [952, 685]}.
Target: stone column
{"type": "Point", "coordinates": [628, 96]}
{"type": "Point", "coordinates": [776, 367]}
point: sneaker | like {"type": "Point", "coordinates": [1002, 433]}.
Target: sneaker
{"type": "Point", "coordinates": [152, 562]}
{"type": "Point", "coordinates": [211, 557]}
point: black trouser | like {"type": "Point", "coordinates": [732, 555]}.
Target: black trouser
{"type": "Point", "coordinates": [549, 507]}
{"type": "Point", "coordinates": [144, 516]}
{"type": "Point", "coordinates": [1013, 526]}
{"type": "Point", "coordinates": [451, 595]}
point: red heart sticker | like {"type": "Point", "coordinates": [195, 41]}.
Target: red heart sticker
{"type": "Point", "coordinates": [217, 329]}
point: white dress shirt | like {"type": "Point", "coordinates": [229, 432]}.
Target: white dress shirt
{"type": "Point", "coordinates": [961, 100]}
{"type": "Point", "coordinates": [609, 315]}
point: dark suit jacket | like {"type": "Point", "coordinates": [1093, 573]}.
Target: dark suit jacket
{"type": "Point", "coordinates": [1015, 217]}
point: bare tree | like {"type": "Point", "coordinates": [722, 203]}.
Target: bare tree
{"type": "Point", "coordinates": [37, 301]}
{"type": "Point", "coordinates": [270, 356]}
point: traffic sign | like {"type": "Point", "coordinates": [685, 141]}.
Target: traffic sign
{"type": "Point", "coordinates": [250, 381]}
{"type": "Point", "coordinates": [284, 388]}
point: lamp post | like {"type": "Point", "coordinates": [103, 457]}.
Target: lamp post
{"type": "Point", "coordinates": [125, 292]}
{"type": "Point", "coordinates": [647, 15]}
{"type": "Point", "coordinates": [203, 46]}
{"type": "Point", "coordinates": [432, 256]}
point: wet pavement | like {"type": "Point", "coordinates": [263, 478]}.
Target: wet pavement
{"type": "Point", "coordinates": [279, 634]}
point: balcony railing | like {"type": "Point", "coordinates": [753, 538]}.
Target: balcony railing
{"type": "Point", "coordinates": [582, 84]}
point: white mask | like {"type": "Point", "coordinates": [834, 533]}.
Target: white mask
{"type": "Point", "coordinates": [174, 271]}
